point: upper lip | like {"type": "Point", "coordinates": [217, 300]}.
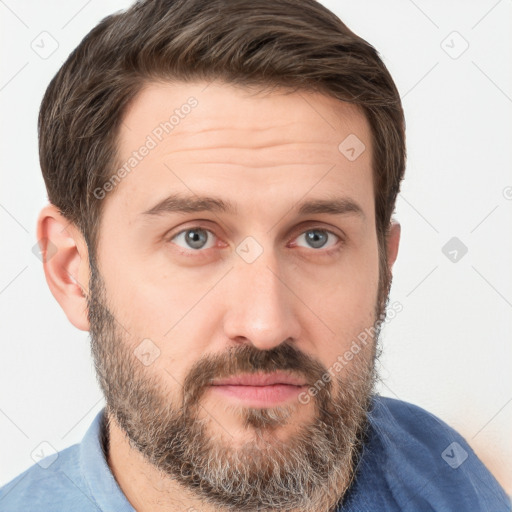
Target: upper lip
{"type": "Point", "coordinates": [260, 379]}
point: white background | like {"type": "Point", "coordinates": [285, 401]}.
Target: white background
{"type": "Point", "coordinates": [449, 350]}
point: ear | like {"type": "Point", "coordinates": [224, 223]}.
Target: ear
{"type": "Point", "coordinates": [392, 242]}
{"type": "Point", "coordinates": [66, 264]}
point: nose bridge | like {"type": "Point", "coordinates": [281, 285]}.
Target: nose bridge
{"type": "Point", "coordinates": [261, 307]}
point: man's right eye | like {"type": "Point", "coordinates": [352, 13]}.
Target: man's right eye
{"type": "Point", "coordinates": [194, 239]}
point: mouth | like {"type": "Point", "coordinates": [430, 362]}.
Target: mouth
{"type": "Point", "coordinates": [260, 389]}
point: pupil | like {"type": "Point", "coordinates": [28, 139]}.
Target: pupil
{"type": "Point", "coordinates": [196, 238]}
{"type": "Point", "coordinates": [317, 238]}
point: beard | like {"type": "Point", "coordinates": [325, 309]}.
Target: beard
{"type": "Point", "coordinates": [310, 470]}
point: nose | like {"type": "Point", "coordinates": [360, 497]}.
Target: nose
{"type": "Point", "coordinates": [261, 307]}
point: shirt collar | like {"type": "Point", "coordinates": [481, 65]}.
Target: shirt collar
{"type": "Point", "coordinates": [96, 471]}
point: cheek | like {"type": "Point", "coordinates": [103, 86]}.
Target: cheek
{"type": "Point", "coordinates": [147, 295]}
{"type": "Point", "coordinates": [164, 317]}
{"type": "Point", "coordinates": [346, 302]}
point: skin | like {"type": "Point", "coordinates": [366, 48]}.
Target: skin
{"type": "Point", "coordinates": [266, 153]}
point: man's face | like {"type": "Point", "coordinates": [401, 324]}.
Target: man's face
{"type": "Point", "coordinates": [184, 299]}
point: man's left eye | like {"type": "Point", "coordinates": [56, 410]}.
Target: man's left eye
{"type": "Point", "coordinates": [318, 238]}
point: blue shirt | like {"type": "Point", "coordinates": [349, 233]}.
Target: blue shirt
{"type": "Point", "coordinates": [411, 461]}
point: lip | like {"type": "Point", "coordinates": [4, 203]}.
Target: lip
{"type": "Point", "coordinates": [260, 379]}
{"type": "Point", "coordinates": [260, 390]}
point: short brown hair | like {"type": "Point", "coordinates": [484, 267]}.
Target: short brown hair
{"type": "Point", "coordinates": [296, 44]}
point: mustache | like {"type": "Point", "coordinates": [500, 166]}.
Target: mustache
{"type": "Point", "coordinates": [248, 359]}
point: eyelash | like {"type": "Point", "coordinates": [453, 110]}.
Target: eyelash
{"type": "Point", "coordinates": [200, 252]}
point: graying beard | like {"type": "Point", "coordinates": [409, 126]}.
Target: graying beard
{"type": "Point", "coordinates": [308, 473]}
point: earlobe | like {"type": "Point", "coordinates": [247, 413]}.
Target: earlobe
{"type": "Point", "coordinates": [393, 241]}
{"type": "Point", "coordinates": [66, 264]}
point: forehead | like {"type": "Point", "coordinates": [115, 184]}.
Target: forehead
{"type": "Point", "coordinates": [200, 137]}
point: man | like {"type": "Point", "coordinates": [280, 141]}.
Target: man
{"type": "Point", "coordinates": [222, 176]}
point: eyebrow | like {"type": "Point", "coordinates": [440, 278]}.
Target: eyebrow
{"type": "Point", "coordinates": [334, 206]}
{"type": "Point", "coordinates": [177, 203]}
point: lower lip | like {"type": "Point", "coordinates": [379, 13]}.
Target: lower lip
{"type": "Point", "coordinates": [260, 396]}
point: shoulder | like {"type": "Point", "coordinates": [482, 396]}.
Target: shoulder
{"type": "Point", "coordinates": [418, 462]}
{"type": "Point", "coordinates": [408, 422]}
{"type": "Point", "coordinates": [53, 484]}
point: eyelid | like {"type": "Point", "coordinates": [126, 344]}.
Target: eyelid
{"type": "Point", "coordinates": [312, 225]}
{"type": "Point", "coordinates": [198, 224]}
